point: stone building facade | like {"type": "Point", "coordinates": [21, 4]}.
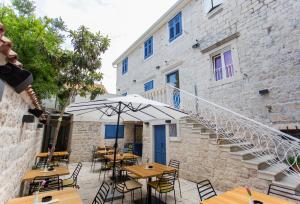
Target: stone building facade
{"type": "Point", "coordinates": [19, 142]}
{"type": "Point", "coordinates": [263, 37]}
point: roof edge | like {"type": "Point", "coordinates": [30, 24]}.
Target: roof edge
{"type": "Point", "coordinates": [156, 26]}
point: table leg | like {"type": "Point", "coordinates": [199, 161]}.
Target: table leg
{"type": "Point", "coordinates": [149, 191]}
{"type": "Point", "coordinates": [21, 193]}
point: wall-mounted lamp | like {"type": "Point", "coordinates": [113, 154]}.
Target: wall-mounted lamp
{"type": "Point", "coordinates": [28, 119]}
{"type": "Point", "coordinates": [269, 108]}
{"type": "Point", "coordinates": [263, 91]}
{"type": "Point", "coordinates": [197, 45]}
{"type": "Point", "coordinates": [146, 123]}
{"type": "Point", "coordinates": [134, 81]}
{"type": "Point", "coordinates": [118, 89]}
{"type": "Point", "coordinates": [168, 121]}
{"type": "Point", "coordinates": [157, 67]}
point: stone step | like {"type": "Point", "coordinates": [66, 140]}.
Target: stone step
{"type": "Point", "coordinates": [259, 163]}
{"type": "Point", "coordinates": [223, 141]}
{"type": "Point", "coordinates": [273, 173]}
{"type": "Point", "coordinates": [246, 154]}
{"type": "Point", "coordinates": [234, 147]}
{"type": "Point", "coordinates": [290, 181]}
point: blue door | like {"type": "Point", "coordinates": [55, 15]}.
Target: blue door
{"type": "Point", "coordinates": [160, 144]}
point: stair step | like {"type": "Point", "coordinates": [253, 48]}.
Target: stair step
{"type": "Point", "coordinates": [289, 181]}
{"type": "Point", "coordinates": [234, 147]}
{"type": "Point", "coordinates": [274, 172]}
{"type": "Point", "coordinates": [224, 141]}
{"type": "Point", "coordinates": [259, 163]}
{"type": "Point", "coordinates": [246, 154]}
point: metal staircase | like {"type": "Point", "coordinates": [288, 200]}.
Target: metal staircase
{"type": "Point", "coordinates": [273, 152]}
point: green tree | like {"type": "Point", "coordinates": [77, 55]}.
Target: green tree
{"type": "Point", "coordinates": [38, 44]}
{"type": "Point", "coordinates": [79, 70]}
{"type": "Point", "coordinates": [24, 7]}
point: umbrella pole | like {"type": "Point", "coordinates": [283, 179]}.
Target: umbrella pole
{"type": "Point", "coordinates": [116, 143]}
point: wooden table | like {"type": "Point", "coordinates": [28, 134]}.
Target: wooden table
{"type": "Point", "coordinates": [68, 196]}
{"type": "Point", "coordinates": [125, 156]}
{"type": "Point", "coordinates": [104, 152]}
{"type": "Point", "coordinates": [240, 196]}
{"type": "Point", "coordinates": [31, 174]}
{"type": "Point", "coordinates": [55, 154]}
{"type": "Point", "coordinates": [143, 172]}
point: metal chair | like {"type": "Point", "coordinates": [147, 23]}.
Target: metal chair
{"type": "Point", "coordinates": [175, 164]}
{"type": "Point", "coordinates": [72, 181]}
{"type": "Point", "coordinates": [102, 193]}
{"type": "Point", "coordinates": [285, 192]}
{"type": "Point", "coordinates": [66, 159]}
{"type": "Point", "coordinates": [105, 166]}
{"type": "Point", "coordinates": [52, 183]}
{"type": "Point", "coordinates": [206, 190]}
{"type": "Point", "coordinates": [164, 184]}
{"type": "Point", "coordinates": [124, 186]}
{"type": "Point", "coordinates": [95, 158]}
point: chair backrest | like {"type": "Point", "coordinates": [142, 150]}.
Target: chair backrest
{"type": "Point", "coordinates": [284, 192]}
{"type": "Point", "coordinates": [205, 190]}
{"type": "Point", "coordinates": [102, 193]}
{"type": "Point", "coordinates": [76, 171]}
{"type": "Point", "coordinates": [166, 181]}
{"type": "Point", "coordinates": [52, 183]}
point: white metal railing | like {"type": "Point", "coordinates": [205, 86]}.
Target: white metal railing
{"type": "Point", "coordinates": [281, 150]}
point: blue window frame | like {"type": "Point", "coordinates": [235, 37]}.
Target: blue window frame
{"type": "Point", "coordinates": [148, 48]}
{"type": "Point", "coordinates": [175, 27]}
{"type": "Point", "coordinates": [110, 131]}
{"type": "Point", "coordinates": [149, 85]}
{"type": "Point", "coordinates": [125, 66]}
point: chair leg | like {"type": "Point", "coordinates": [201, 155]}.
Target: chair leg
{"type": "Point", "coordinates": [166, 197]}
{"type": "Point", "coordinates": [92, 165]}
{"type": "Point", "coordinates": [113, 195]}
{"type": "Point", "coordinates": [179, 188]}
{"type": "Point", "coordinates": [174, 196]}
{"type": "Point", "coordinates": [133, 195]}
{"type": "Point", "coordinates": [141, 196]}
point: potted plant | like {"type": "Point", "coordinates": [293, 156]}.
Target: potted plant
{"type": "Point", "coordinates": [294, 163]}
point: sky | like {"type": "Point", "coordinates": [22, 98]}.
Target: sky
{"type": "Point", "coordinates": [122, 20]}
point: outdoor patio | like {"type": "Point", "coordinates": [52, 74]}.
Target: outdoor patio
{"type": "Point", "coordinates": [89, 185]}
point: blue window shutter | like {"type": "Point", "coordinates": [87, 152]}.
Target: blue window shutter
{"type": "Point", "coordinates": [175, 27]}
{"type": "Point", "coordinates": [110, 131]}
{"type": "Point", "coordinates": [148, 48]}
{"type": "Point", "coordinates": [149, 85]}
{"type": "Point", "coordinates": [125, 65]}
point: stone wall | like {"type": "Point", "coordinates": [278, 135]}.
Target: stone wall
{"type": "Point", "coordinates": [19, 143]}
{"type": "Point", "coordinates": [265, 54]}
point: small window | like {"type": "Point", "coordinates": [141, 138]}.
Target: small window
{"type": "Point", "coordinates": [173, 79]}
{"type": "Point", "coordinates": [125, 66]}
{"type": "Point", "coordinates": [223, 65]}
{"type": "Point", "coordinates": [1, 89]}
{"type": "Point", "coordinates": [148, 48]}
{"type": "Point", "coordinates": [149, 85]}
{"type": "Point", "coordinates": [210, 5]}
{"type": "Point", "coordinates": [173, 130]}
{"type": "Point", "coordinates": [175, 27]}
{"type": "Point", "coordinates": [124, 94]}
{"type": "Point", "coordinates": [110, 131]}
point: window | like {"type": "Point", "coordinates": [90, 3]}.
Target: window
{"type": "Point", "coordinates": [110, 131]}
{"type": "Point", "coordinates": [125, 66]}
{"type": "Point", "coordinates": [148, 48]}
{"type": "Point", "coordinates": [223, 65]}
{"type": "Point", "coordinates": [175, 27]}
{"type": "Point", "coordinates": [173, 130]}
{"type": "Point", "coordinates": [148, 86]}
{"type": "Point", "coordinates": [124, 94]}
{"type": "Point", "coordinates": [1, 89]}
{"type": "Point", "coordinates": [173, 79]}
{"type": "Point", "coordinates": [210, 5]}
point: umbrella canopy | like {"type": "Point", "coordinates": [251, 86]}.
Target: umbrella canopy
{"type": "Point", "coordinates": [127, 108]}
{"type": "Point", "coordinates": [133, 108]}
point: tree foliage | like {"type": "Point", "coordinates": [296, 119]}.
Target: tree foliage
{"type": "Point", "coordinates": [24, 7]}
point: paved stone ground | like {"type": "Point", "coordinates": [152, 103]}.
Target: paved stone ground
{"type": "Point", "coordinates": [89, 185]}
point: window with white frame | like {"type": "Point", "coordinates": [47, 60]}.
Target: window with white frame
{"type": "Point", "coordinates": [173, 130]}
{"type": "Point", "coordinates": [148, 48]}
{"type": "Point", "coordinates": [148, 85]}
{"type": "Point", "coordinates": [125, 66]}
{"type": "Point", "coordinates": [223, 65]}
{"type": "Point", "coordinates": [210, 5]}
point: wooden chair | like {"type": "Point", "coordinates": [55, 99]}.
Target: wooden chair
{"type": "Point", "coordinates": [175, 164]}
{"type": "Point", "coordinates": [102, 193]}
{"type": "Point", "coordinates": [284, 192]}
{"type": "Point", "coordinates": [164, 184]}
{"type": "Point", "coordinates": [52, 183]}
{"type": "Point", "coordinates": [125, 186]}
{"type": "Point", "coordinates": [72, 181]}
{"type": "Point", "coordinates": [205, 190]}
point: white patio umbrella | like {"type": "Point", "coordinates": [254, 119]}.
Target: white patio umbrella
{"type": "Point", "coordinates": [127, 108]}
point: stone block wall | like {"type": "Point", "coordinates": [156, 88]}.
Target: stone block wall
{"type": "Point", "coordinates": [19, 143]}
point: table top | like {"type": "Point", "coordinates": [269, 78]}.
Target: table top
{"type": "Point", "coordinates": [125, 156]}
{"type": "Point", "coordinates": [143, 172]}
{"type": "Point", "coordinates": [240, 196]}
{"type": "Point", "coordinates": [55, 154]}
{"type": "Point", "coordinates": [31, 174]}
{"type": "Point", "coordinates": [67, 196]}
{"type": "Point", "coordinates": [104, 152]}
